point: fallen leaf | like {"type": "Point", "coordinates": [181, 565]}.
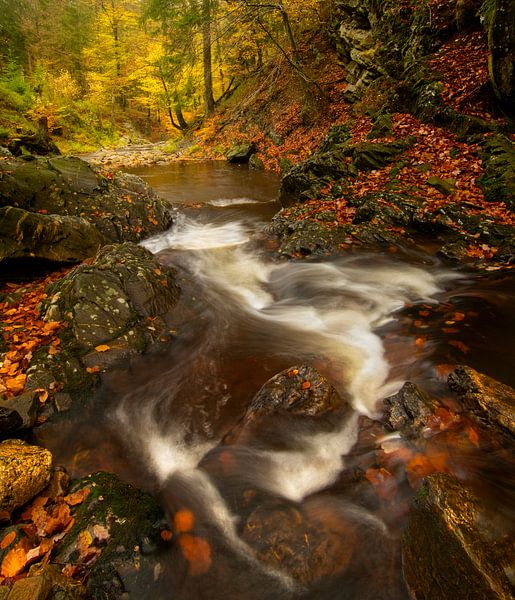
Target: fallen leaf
{"type": "Point", "coordinates": [77, 497]}
{"type": "Point", "coordinates": [103, 348]}
{"type": "Point", "coordinates": [183, 520]}
{"type": "Point", "coordinates": [14, 562]}
{"type": "Point", "coordinates": [8, 540]}
{"type": "Point", "coordinates": [460, 346]}
{"type": "Point", "coordinates": [84, 541]}
{"type": "Point", "coordinates": [197, 552]}
{"type": "Point", "coordinates": [305, 385]}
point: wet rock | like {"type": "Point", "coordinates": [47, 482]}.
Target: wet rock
{"type": "Point", "coordinates": [241, 153]}
{"type": "Point", "coordinates": [130, 522]}
{"type": "Point", "coordinates": [24, 471]}
{"type": "Point", "coordinates": [492, 402]}
{"type": "Point", "coordinates": [300, 390]}
{"type": "Point", "coordinates": [453, 548]}
{"type": "Point", "coordinates": [122, 300]}
{"type": "Point", "coordinates": [51, 237]}
{"type": "Point", "coordinates": [307, 543]}
{"type": "Point", "coordinates": [122, 208]}
{"type": "Point", "coordinates": [25, 405]}
{"type": "Point", "coordinates": [407, 411]}
{"type": "Point", "coordinates": [297, 393]}
{"type": "Point", "coordinates": [10, 421]}
{"type": "Point", "coordinates": [31, 588]}
{"type": "Point", "coordinates": [498, 180]}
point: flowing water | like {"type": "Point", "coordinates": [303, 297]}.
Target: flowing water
{"type": "Point", "coordinates": [243, 317]}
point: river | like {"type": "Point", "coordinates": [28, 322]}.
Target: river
{"type": "Point", "coordinates": [245, 316]}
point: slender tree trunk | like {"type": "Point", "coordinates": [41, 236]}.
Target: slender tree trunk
{"type": "Point", "coordinates": [168, 101]}
{"type": "Point", "coordinates": [178, 111]}
{"type": "Point", "coordinates": [209, 100]}
{"type": "Point", "coordinates": [289, 31]}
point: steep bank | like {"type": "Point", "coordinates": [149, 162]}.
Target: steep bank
{"type": "Point", "coordinates": [397, 133]}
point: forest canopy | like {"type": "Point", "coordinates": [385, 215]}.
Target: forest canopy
{"type": "Point", "coordinates": [91, 65]}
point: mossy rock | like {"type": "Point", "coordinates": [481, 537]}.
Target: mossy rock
{"type": "Point", "coordinates": [381, 127]}
{"type": "Point", "coordinates": [26, 234]}
{"type": "Point", "coordinates": [367, 155]}
{"type": "Point", "coordinates": [133, 520]}
{"type": "Point", "coordinates": [123, 208]}
{"type": "Point", "coordinates": [498, 180]}
{"type": "Point", "coordinates": [123, 299]}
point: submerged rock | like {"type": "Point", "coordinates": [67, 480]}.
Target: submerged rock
{"type": "Point", "coordinates": [492, 402]}
{"type": "Point", "coordinates": [24, 471]}
{"type": "Point", "coordinates": [50, 237]}
{"type": "Point", "coordinates": [306, 544]}
{"type": "Point", "coordinates": [452, 547]}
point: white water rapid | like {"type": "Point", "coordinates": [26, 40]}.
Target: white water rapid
{"type": "Point", "coordinates": [325, 313]}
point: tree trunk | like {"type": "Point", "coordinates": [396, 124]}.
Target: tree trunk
{"type": "Point", "coordinates": [178, 111]}
{"type": "Point", "coordinates": [209, 100]}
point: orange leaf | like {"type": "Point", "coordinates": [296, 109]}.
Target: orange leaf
{"type": "Point", "coordinates": [305, 385]}
{"type": "Point", "coordinates": [14, 562]}
{"type": "Point", "coordinates": [183, 520]}
{"type": "Point", "coordinates": [197, 552]}
{"type": "Point", "coordinates": [95, 369]}
{"type": "Point", "coordinates": [8, 540]}
{"type": "Point", "coordinates": [383, 481]}
{"type": "Point", "coordinates": [77, 497]}
{"type": "Point", "coordinates": [103, 348]}
{"type": "Point", "coordinates": [460, 346]}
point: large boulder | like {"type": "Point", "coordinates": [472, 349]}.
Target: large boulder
{"type": "Point", "coordinates": [490, 401]}
{"type": "Point", "coordinates": [24, 471]}
{"type": "Point", "coordinates": [121, 301]}
{"type": "Point", "coordinates": [453, 547]}
{"type": "Point", "coordinates": [122, 208]}
{"type": "Point", "coordinates": [52, 237]}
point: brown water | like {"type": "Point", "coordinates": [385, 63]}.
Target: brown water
{"type": "Point", "coordinates": [244, 317]}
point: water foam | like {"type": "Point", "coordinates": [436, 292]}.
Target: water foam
{"type": "Point", "coordinates": [307, 311]}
